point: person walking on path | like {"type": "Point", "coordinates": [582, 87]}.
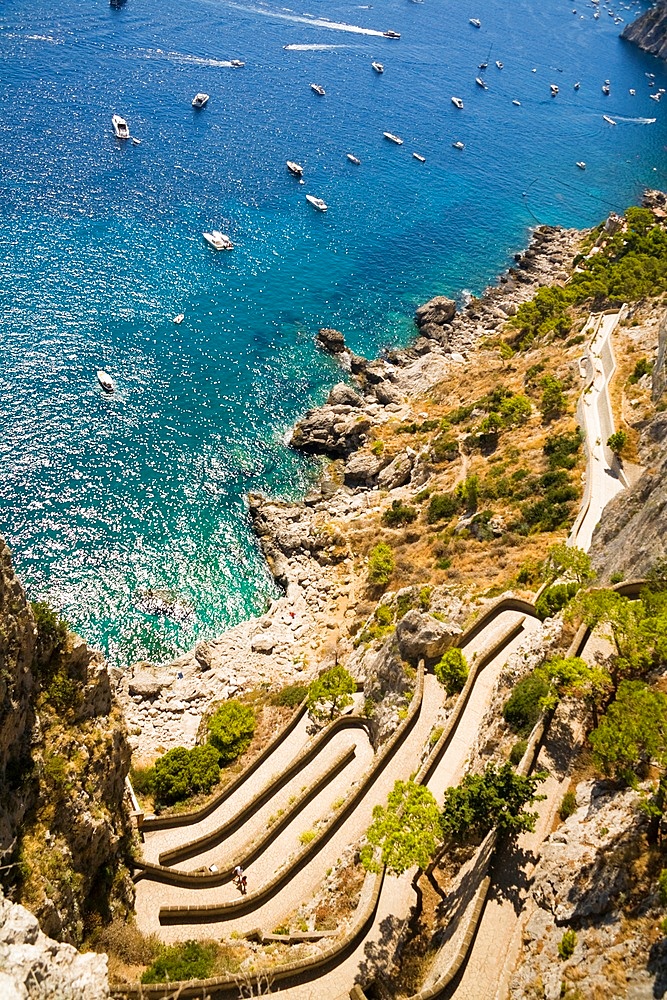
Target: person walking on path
{"type": "Point", "coordinates": [240, 881]}
{"type": "Point", "coordinates": [243, 885]}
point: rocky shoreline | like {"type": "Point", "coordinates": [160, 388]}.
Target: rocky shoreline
{"type": "Point", "coordinates": [309, 627]}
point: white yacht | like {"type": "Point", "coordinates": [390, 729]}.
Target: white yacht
{"type": "Point", "coordinates": [317, 203]}
{"type": "Point", "coordinates": [632, 92]}
{"type": "Point", "coordinates": [378, 67]}
{"type": "Point", "coordinates": [475, 21]}
{"type": "Point", "coordinates": [318, 90]}
{"type": "Point", "coordinates": [391, 34]}
{"type": "Point", "coordinates": [199, 100]}
{"type": "Point", "coordinates": [577, 85]}
{"type": "Point", "coordinates": [480, 83]}
{"type": "Point", "coordinates": [135, 141]}
{"type": "Point", "coordinates": [608, 120]}
{"type": "Point", "coordinates": [353, 159]}
{"type": "Point", "coordinates": [237, 63]}
{"type": "Point", "coordinates": [393, 138]}
{"type": "Point", "coordinates": [499, 64]}
{"type": "Point", "coordinates": [418, 156]}
{"type": "Point", "coordinates": [581, 164]}
{"type": "Point", "coordinates": [458, 144]}
{"type": "Point", "coordinates": [295, 168]}
{"type": "Point", "coordinates": [218, 240]}
{"type": "Point", "coordinates": [458, 103]}
{"type": "Point", "coordinates": [120, 127]}
{"type": "Point", "coordinates": [606, 88]}
{"type": "Point", "coordinates": [553, 88]}
{"type": "Point", "coordinates": [106, 381]}
{"type": "Point", "coordinates": [517, 103]}
{"type": "Point", "coordinates": [179, 319]}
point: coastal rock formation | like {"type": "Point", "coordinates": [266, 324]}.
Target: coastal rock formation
{"type": "Point", "coordinates": [433, 316]}
{"type": "Point", "coordinates": [421, 636]}
{"type": "Point", "coordinates": [331, 430]}
{"type": "Point", "coordinates": [331, 341]}
{"type": "Point", "coordinates": [649, 31]}
{"type": "Point", "coordinates": [34, 967]}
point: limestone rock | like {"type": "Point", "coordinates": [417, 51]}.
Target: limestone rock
{"type": "Point", "coordinates": [361, 468]}
{"type": "Point", "coordinates": [649, 31]}
{"type": "Point", "coordinates": [328, 432]}
{"type": "Point", "coordinates": [343, 394]}
{"type": "Point", "coordinates": [145, 683]}
{"type": "Point", "coordinates": [331, 341]}
{"type": "Point", "coordinates": [263, 643]}
{"type": "Point", "coordinates": [397, 473]}
{"type": "Point", "coordinates": [387, 393]}
{"type": "Point", "coordinates": [420, 635]}
{"type": "Point", "coordinates": [438, 310]}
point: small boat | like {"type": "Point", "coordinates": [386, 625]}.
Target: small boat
{"type": "Point", "coordinates": [378, 67]}
{"type": "Point", "coordinates": [393, 138]}
{"type": "Point", "coordinates": [135, 141]}
{"type": "Point", "coordinates": [179, 319]}
{"type": "Point", "coordinates": [199, 100]}
{"type": "Point", "coordinates": [581, 164]}
{"type": "Point", "coordinates": [391, 34]}
{"type": "Point", "coordinates": [218, 240]}
{"type": "Point", "coordinates": [596, 15]}
{"type": "Point", "coordinates": [237, 63]}
{"type": "Point", "coordinates": [353, 159]}
{"type": "Point", "coordinates": [605, 89]}
{"type": "Point", "coordinates": [417, 156]}
{"type": "Point", "coordinates": [120, 127]}
{"type": "Point", "coordinates": [295, 168]}
{"type": "Point", "coordinates": [483, 65]}
{"type": "Point", "coordinates": [499, 64]}
{"type": "Point", "coordinates": [458, 103]}
{"type": "Point", "coordinates": [475, 21]}
{"type": "Point", "coordinates": [480, 83]}
{"type": "Point", "coordinates": [609, 121]}
{"type": "Point", "coordinates": [517, 103]}
{"type": "Point", "coordinates": [577, 85]}
{"type": "Point", "coordinates": [632, 92]}
{"type": "Point", "coordinates": [554, 89]}
{"type": "Point", "coordinates": [655, 97]}
{"type": "Point", "coordinates": [317, 203]}
{"type": "Point", "coordinates": [458, 144]}
{"type": "Point", "coordinates": [106, 381]}
{"type": "Point", "coordinates": [318, 90]}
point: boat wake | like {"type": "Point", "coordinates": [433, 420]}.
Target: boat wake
{"type": "Point", "coordinates": [318, 22]}
{"type": "Point", "coordinates": [181, 57]}
{"type": "Point", "coordinates": [634, 121]}
{"type": "Point", "coordinates": [313, 48]}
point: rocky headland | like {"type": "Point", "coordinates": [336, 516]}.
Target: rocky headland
{"type": "Point", "coordinates": [649, 31]}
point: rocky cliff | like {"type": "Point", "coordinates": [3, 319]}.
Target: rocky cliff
{"type": "Point", "coordinates": [64, 755]}
{"type": "Point", "coordinates": [649, 31]}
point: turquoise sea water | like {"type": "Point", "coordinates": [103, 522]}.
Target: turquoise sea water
{"type": "Point", "coordinates": [101, 246]}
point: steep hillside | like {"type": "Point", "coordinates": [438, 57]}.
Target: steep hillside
{"type": "Point", "coordinates": [649, 31]}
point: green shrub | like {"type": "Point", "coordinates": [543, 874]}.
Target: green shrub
{"type": "Point", "coordinates": [181, 772]}
{"type": "Point", "coordinates": [552, 403]}
{"type": "Point", "coordinates": [562, 449]}
{"type": "Point", "coordinates": [517, 752]}
{"type": "Point", "coordinates": [377, 448]}
{"type": "Point", "coordinates": [230, 729]}
{"type": "Point", "coordinates": [523, 708]}
{"type": "Point", "coordinates": [452, 670]}
{"type": "Point", "coordinates": [662, 886]}
{"type": "Point", "coordinates": [442, 506]}
{"type": "Point", "coordinates": [568, 806]}
{"type": "Point", "coordinates": [425, 598]}
{"type": "Point", "coordinates": [444, 448]}
{"type": "Point", "coordinates": [142, 779]}
{"type": "Point", "coordinates": [399, 514]}
{"type": "Point", "coordinates": [380, 565]}
{"type": "Point", "coordinates": [643, 367]}
{"type": "Point", "coordinates": [189, 960]}
{"type": "Point", "coordinates": [52, 632]}
{"type": "Point", "coordinates": [554, 598]}
{"type": "Point", "coordinates": [63, 693]}
{"type": "Point", "coordinates": [567, 944]}
{"type": "Point", "coordinates": [435, 736]}
{"type": "Point", "coordinates": [616, 577]}
{"type": "Point", "coordinates": [444, 563]}
{"type": "Point", "coordinates": [617, 441]}
{"type": "Point", "coordinates": [291, 696]}
{"type": "Point", "coordinates": [530, 572]}
{"type": "Point", "coordinates": [515, 410]}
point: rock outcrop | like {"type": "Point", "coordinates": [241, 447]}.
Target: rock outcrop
{"type": "Point", "coordinates": [421, 636]}
{"type": "Point", "coordinates": [649, 31]}
{"type": "Point", "coordinates": [35, 967]}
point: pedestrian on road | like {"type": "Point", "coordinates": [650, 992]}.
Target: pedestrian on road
{"type": "Point", "coordinates": [238, 875]}
{"type": "Point", "coordinates": [243, 885]}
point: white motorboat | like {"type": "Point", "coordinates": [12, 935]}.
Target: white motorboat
{"type": "Point", "coordinates": [517, 103]}
{"type": "Point", "coordinates": [393, 138]}
{"type": "Point", "coordinates": [609, 121]}
{"type": "Point", "coordinates": [318, 90]}
{"type": "Point", "coordinates": [179, 319]}
{"type": "Point", "coordinates": [106, 381]}
{"type": "Point", "coordinates": [458, 144]}
{"type": "Point", "coordinates": [606, 88]}
{"type": "Point", "coordinates": [632, 92]}
{"type": "Point", "coordinates": [458, 103]}
{"type": "Point", "coordinates": [391, 34]}
{"type": "Point", "coordinates": [237, 63]}
{"type": "Point", "coordinates": [480, 83]}
{"type": "Point", "coordinates": [120, 127]}
{"type": "Point", "coordinates": [596, 15]}
{"type": "Point", "coordinates": [553, 88]}
{"type": "Point", "coordinates": [655, 97]}
{"type": "Point", "coordinates": [317, 203]}
{"type": "Point", "coordinates": [418, 156]}
{"type": "Point", "coordinates": [475, 21]}
{"type": "Point", "coordinates": [218, 240]}
{"type": "Point", "coordinates": [353, 159]}
{"type": "Point", "coordinates": [378, 67]}
{"type": "Point", "coordinates": [499, 64]}
{"type": "Point", "coordinates": [295, 168]}
{"type": "Point", "coordinates": [135, 141]}
{"type": "Point", "coordinates": [581, 164]}
{"type": "Point", "coordinates": [577, 85]}
{"type": "Point", "coordinates": [199, 100]}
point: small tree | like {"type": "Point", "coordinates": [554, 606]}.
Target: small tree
{"type": "Point", "coordinates": [330, 693]}
{"type": "Point", "coordinates": [380, 565]}
{"type": "Point", "coordinates": [406, 831]}
{"type": "Point", "coordinates": [452, 670]}
{"type": "Point", "coordinates": [573, 677]}
{"type": "Point", "coordinates": [621, 620]}
{"type": "Point", "coordinates": [568, 561]}
{"type": "Point", "coordinates": [522, 709]}
{"type": "Point", "coordinates": [230, 729]}
{"type": "Point", "coordinates": [496, 798]}
{"type": "Point", "coordinates": [552, 403]}
{"type": "Point", "coordinates": [181, 772]}
{"type": "Point", "coordinates": [617, 441]}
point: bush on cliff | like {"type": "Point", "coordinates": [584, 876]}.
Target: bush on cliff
{"type": "Point", "coordinates": [553, 599]}
{"type": "Point", "coordinates": [230, 730]}
{"type": "Point", "coordinates": [182, 772]}
{"type": "Point", "coordinates": [330, 693]}
{"type": "Point", "coordinates": [52, 633]}
{"type": "Point", "coordinates": [452, 670]}
{"type": "Point", "coordinates": [522, 709]}
{"type": "Point", "coordinates": [381, 565]}
{"type": "Point", "coordinates": [290, 696]}
{"type": "Point", "coordinates": [189, 960]}
{"type": "Point", "coordinates": [495, 798]}
{"type": "Point", "coordinates": [399, 514]}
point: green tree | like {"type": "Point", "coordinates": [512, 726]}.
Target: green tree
{"type": "Point", "coordinates": [552, 403]}
{"type": "Point", "coordinates": [399, 514]}
{"type": "Point", "coordinates": [568, 561]}
{"type": "Point", "coordinates": [468, 491]}
{"type": "Point", "coordinates": [633, 732]}
{"type": "Point", "coordinates": [522, 709]}
{"type": "Point", "coordinates": [230, 729]}
{"type": "Point", "coordinates": [621, 621]}
{"type": "Point", "coordinates": [573, 677]}
{"type": "Point", "coordinates": [181, 772]}
{"type": "Point", "coordinates": [330, 693]}
{"type": "Point", "coordinates": [515, 410]}
{"type": "Point", "coordinates": [495, 798]}
{"type": "Point", "coordinates": [617, 441]}
{"type": "Point", "coordinates": [381, 565]}
{"type": "Point", "coordinates": [452, 670]}
{"type": "Point", "coordinates": [406, 831]}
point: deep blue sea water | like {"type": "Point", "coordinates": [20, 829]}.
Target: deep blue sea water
{"type": "Point", "coordinates": [101, 245]}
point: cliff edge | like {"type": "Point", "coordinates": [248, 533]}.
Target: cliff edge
{"type": "Point", "coordinates": [649, 31]}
